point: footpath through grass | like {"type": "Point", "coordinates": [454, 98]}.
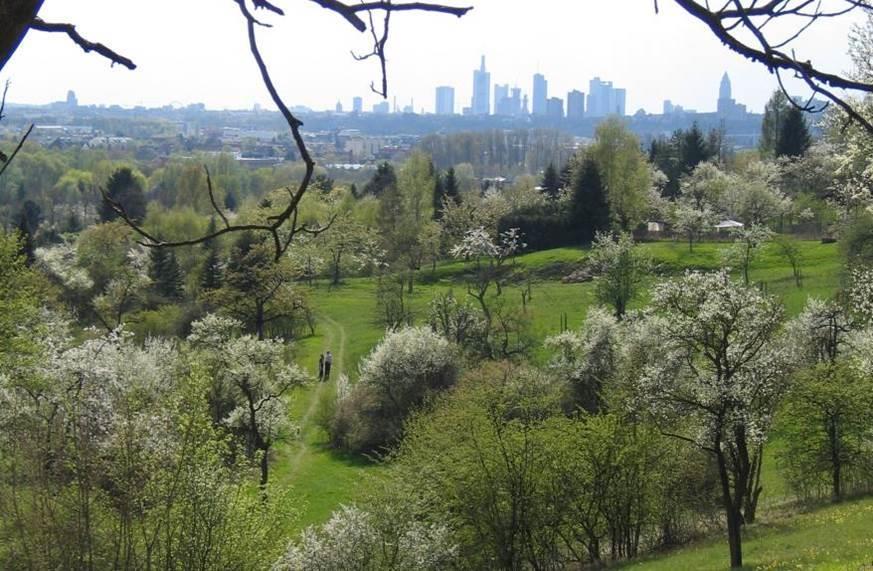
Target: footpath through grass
{"type": "Point", "coordinates": [348, 326]}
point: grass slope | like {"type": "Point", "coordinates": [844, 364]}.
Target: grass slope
{"type": "Point", "coordinates": [831, 538]}
{"type": "Point", "coordinates": [347, 325]}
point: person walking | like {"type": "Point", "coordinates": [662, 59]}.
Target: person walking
{"type": "Point", "coordinates": [321, 367]}
{"type": "Point", "coordinates": [328, 361]}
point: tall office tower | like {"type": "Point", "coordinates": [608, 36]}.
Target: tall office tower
{"type": "Point", "coordinates": [72, 101]}
{"type": "Point", "coordinates": [575, 104]}
{"type": "Point", "coordinates": [516, 101]}
{"type": "Point", "coordinates": [339, 107]}
{"type": "Point", "coordinates": [540, 94]}
{"type": "Point", "coordinates": [501, 97]}
{"type": "Point", "coordinates": [481, 104]}
{"type": "Point", "coordinates": [555, 108]}
{"type": "Point", "coordinates": [727, 106]}
{"type": "Point", "coordinates": [357, 105]}
{"type": "Point", "coordinates": [604, 99]}
{"type": "Point", "coordinates": [445, 100]}
{"type": "Point", "coordinates": [620, 101]}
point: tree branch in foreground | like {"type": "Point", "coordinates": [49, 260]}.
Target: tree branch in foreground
{"type": "Point", "coordinates": [88, 46]}
{"type": "Point", "coordinates": [739, 24]}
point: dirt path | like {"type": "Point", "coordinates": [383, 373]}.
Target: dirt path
{"type": "Point", "coordinates": [335, 341]}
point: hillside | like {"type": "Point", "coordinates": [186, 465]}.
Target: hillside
{"type": "Point", "coordinates": [347, 325]}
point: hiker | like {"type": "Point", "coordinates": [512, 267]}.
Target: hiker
{"type": "Point", "coordinates": [321, 367]}
{"type": "Point", "coordinates": [328, 361]}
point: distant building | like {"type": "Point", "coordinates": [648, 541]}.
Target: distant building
{"type": "Point", "coordinates": [501, 94]}
{"type": "Point", "coordinates": [382, 108]}
{"type": "Point", "coordinates": [540, 95]}
{"type": "Point", "coordinates": [357, 105]}
{"type": "Point", "coordinates": [575, 105]}
{"type": "Point", "coordinates": [668, 107]}
{"type": "Point", "coordinates": [481, 103]}
{"type": "Point", "coordinates": [555, 108]}
{"type": "Point", "coordinates": [445, 100]}
{"type": "Point", "coordinates": [727, 107]}
{"type": "Point", "coordinates": [71, 99]}
{"type": "Point", "coordinates": [339, 107]}
{"type": "Point", "coordinates": [605, 99]}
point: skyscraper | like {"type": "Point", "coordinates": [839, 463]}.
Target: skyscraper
{"type": "Point", "coordinates": [540, 94]}
{"type": "Point", "coordinates": [358, 105]}
{"type": "Point", "coordinates": [481, 103]}
{"type": "Point", "coordinates": [445, 100]}
{"type": "Point", "coordinates": [604, 99]}
{"type": "Point", "coordinates": [575, 104]}
{"type": "Point", "coordinates": [727, 107]}
{"type": "Point", "coordinates": [501, 95]}
{"type": "Point", "coordinates": [555, 108]}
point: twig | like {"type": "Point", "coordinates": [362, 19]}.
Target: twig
{"type": "Point", "coordinates": [15, 152]}
{"type": "Point", "coordinates": [86, 45]}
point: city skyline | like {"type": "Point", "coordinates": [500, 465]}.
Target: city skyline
{"type": "Point", "coordinates": [655, 57]}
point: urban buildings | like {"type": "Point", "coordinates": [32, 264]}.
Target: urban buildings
{"type": "Point", "coordinates": [382, 107]}
{"type": "Point", "coordinates": [555, 108]}
{"type": "Point", "coordinates": [481, 103]}
{"type": "Point", "coordinates": [575, 105]}
{"type": "Point", "coordinates": [357, 105]}
{"type": "Point", "coordinates": [540, 94]}
{"type": "Point", "coordinates": [727, 107]}
{"type": "Point", "coordinates": [445, 100]}
{"type": "Point", "coordinates": [605, 99]}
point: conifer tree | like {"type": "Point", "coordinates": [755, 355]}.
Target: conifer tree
{"type": "Point", "coordinates": [589, 209]}
{"type": "Point", "coordinates": [551, 183]}
{"type": "Point", "coordinates": [771, 125]}
{"type": "Point", "coordinates": [126, 190]}
{"type": "Point", "coordinates": [794, 139]}
{"type": "Point", "coordinates": [165, 273]}
{"type": "Point", "coordinates": [211, 276]}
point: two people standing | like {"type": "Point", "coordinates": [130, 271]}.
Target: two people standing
{"type": "Point", "coordinates": [325, 360]}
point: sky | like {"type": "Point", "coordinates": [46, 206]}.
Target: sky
{"type": "Point", "coordinates": [196, 51]}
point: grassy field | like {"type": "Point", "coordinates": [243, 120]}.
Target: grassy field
{"type": "Point", "coordinates": [830, 538]}
{"type": "Point", "coordinates": [347, 325]}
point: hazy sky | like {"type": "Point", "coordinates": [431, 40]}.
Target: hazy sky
{"type": "Point", "coordinates": [196, 51]}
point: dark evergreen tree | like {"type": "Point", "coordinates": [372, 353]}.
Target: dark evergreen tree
{"type": "Point", "coordinates": [566, 175]}
{"type": "Point", "coordinates": [450, 186]}
{"type": "Point", "coordinates": [231, 202]}
{"type": "Point", "coordinates": [694, 149]}
{"type": "Point", "coordinates": [439, 196]}
{"type": "Point", "coordinates": [354, 190]}
{"type": "Point", "coordinates": [211, 275]}
{"type": "Point", "coordinates": [26, 241]}
{"type": "Point", "coordinates": [771, 125]}
{"type": "Point", "coordinates": [551, 182]}
{"type": "Point", "coordinates": [794, 139]}
{"type": "Point", "coordinates": [167, 280]}
{"type": "Point", "coordinates": [589, 210]}
{"type": "Point", "coordinates": [124, 189]}
{"type": "Point", "coordinates": [383, 178]}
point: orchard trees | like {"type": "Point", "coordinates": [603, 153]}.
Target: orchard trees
{"type": "Point", "coordinates": [621, 268]}
{"type": "Point", "coordinates": [406, 368]}
{"type": "Point", "coordinates": [718, 373]}
{"type": "Point", "coordinates": [253, 375]}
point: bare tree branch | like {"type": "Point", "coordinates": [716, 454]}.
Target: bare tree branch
{"type": "Point", "coordinates": [88, 46]}
{"type": "Point", "coordinates": [736, 18]}
{"type": "Point", "coordinates": [8, 161]}
{"type": "Point", "coordinates": [283, 227]}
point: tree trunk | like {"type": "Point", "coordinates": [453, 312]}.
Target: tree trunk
{"type": "Point", "coordinates": [259, 321]}
{"type": "Point", "coordinates": [265, 467]}
{"type": "Point", "coordinates": [15, 19]}
{"type": "Point", "coordinates": [731, 511]}
{"type": "Point", "coordinates": [836, 464]}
